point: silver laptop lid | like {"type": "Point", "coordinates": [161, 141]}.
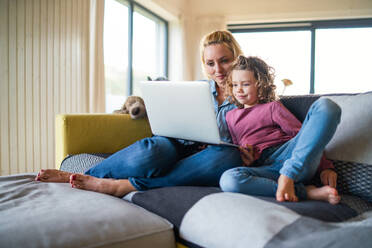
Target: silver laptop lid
{"type": "Point", "coordinates": [181, 109]}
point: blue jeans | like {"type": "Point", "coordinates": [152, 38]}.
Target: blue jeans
{"type": "Point", "coordinates": [160, 161]}
{"type": "Point", "coordinates": [298, 158]}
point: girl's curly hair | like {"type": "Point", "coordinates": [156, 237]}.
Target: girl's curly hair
{"type": "Point", "coordinates": [263, 73]}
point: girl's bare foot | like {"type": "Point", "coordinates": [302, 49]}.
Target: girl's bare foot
{"type": "Point", "coordinates": [286, 190]}
{"type": "Point", "coordinates": [115, 187]}
{"type": "Point", "coordinates": [325, 193]}
{"type": "Point", "coordinates": [52, 175]}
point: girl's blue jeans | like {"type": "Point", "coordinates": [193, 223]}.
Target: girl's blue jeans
{"type": "Point", "coordinates": [160, 161]}
{"type": "Point", "coordinates": [298, 158]}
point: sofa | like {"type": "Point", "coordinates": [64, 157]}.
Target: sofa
{"type": "Point", "coordinates": [35, 214]}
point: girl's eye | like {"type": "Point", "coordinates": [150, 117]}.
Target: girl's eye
{"type": "Point", "coordinates": [224, 61]}
{"type": "Point", "coordinates": [246, 84]}
{"type": "Point", "coordinates": [235, 85]}
{"type": "Point", "coordinates": [210, 63]}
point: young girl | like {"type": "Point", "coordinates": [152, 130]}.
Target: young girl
{"type": "Point", "coordinates": [279, 155]}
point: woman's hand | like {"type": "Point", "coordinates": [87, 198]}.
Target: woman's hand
{"type": "Point", "coordinates": [247, 154]}
{"type": "Point", "coordinates": [329, 177]}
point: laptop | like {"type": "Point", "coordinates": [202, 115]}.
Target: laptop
{"type": "Point", "coordinates": [182, 110]}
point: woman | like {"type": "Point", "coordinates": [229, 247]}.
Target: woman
{"type": "Point", "coordinates": [159, 161]}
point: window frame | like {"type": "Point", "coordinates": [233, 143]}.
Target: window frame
{"type": "Point", "coordinates": [132, 5]}
{"type": "Point", "coordinates": [311, 26]}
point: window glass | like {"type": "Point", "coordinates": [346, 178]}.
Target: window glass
{"type": "Point", "coordinates": [115, 54]}
{"type": "Point", "coordinates": [288, 52]}
{"type": "Point", "coordinates": [343, 60]}
{"type": "Point", "coordinates": [148, 47]}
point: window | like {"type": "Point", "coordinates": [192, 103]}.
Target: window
{"type": "Point", "coordinates": [318, 57]}
{"type": "Point", "coordinates": [288, 52]}
{"type": "Point", "coordinates": [148, 47]}
{"type": "Point", "coordinates": [135, 46]}
{"type": "Point", "coordinates": [343, 60]}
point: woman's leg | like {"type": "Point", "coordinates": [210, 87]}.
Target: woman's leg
{"type": "Point", "coordinates": [200, 169]}
{"type": "Point", "coordinates": [149, 157]}
{"type": "Point", "coordinates": [146, 158]}
{"type": "Point", "coordinates": [302, 154]}
{"type": "Point", "coordinates": [257, 181]}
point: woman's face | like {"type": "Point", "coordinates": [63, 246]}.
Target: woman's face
{"type": "Point", "coordinates": [218, 60]}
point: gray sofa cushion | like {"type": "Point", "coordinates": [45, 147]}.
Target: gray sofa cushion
{"type": "Point", "coordinates": [207, 217]}
{"type": "Point", "coordinates": [36, 214]}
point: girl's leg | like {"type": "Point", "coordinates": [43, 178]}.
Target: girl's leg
{"type": "Point", "coordinates": [258, 181]}
{"type": "Point", "coordinates": [303, 153]}
{"type": "Point", "coordinates": [262, 181]}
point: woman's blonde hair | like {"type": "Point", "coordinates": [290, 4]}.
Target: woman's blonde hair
{"type": "Point", "coordinates": [220, 37]}
{"type": "Point", "coordinates": [263, 73]}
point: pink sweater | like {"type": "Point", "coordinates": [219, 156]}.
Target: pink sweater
{"type": "Point", "coordinates": [265, 125]}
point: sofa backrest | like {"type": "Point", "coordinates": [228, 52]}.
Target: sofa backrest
{"type": "Point", "coordinates": [299, 105]}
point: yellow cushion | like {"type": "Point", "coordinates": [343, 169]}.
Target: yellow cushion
{"type": "Point", "coordinates": [96, 133]}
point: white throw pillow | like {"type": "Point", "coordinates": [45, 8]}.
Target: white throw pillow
{"type": "Point", "coordinates": [353, 138]}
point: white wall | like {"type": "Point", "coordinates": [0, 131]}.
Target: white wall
{"type": "Point", "coordinates": [43, 71]}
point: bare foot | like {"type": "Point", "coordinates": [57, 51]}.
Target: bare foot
{"type": "Point", "coordinates": [115, 187]}
{"type": "Point", "coordinates": [286, 190]}
{"type": "Point", "coordinates": [52, 175]}
{"type": "Point", "coordinates": [325, 193]}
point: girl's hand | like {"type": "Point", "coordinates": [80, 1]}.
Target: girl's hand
{"type": "Point", "coordinates": [329, 177]}
{"type": "Point", "coordinates": [247, 154]}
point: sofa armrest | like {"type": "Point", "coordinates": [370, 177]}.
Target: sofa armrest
{"type": "Point", "coordinates": [96, 133]}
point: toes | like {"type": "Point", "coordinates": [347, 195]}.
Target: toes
{"type": "Point", "coordinates": [279, 197]}
{"type": "Point", "coordinates": [73, 182]}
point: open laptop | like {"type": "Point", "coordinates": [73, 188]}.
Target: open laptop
{"type": "Point", "coordinates": [181, 109]}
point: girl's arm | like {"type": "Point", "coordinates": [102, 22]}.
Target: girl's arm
{"type": "Point", "coordinates": [328, 175]}
{"type": "Point", "coordinates": [285, 119]}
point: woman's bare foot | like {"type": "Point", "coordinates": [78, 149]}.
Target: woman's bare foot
{"type": "Point", "coordinates": [325, 193]}
{"type": "Point", "coordinates": [115, 187]}
{"type": "Point", "coordinates": [52, 175]}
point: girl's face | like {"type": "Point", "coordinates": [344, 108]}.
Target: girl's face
{"type": "Point", "coordinates": [218, 60]}
{"type": "Point", "coordinates": [244, 87]}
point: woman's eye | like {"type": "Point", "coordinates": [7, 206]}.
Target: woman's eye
{"type": "Point", "coordinates": [224, 61]}
{"type": "Point", "coordinates": [210, 63]}
{"type": "Point", "coordinates": [246, 84]}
